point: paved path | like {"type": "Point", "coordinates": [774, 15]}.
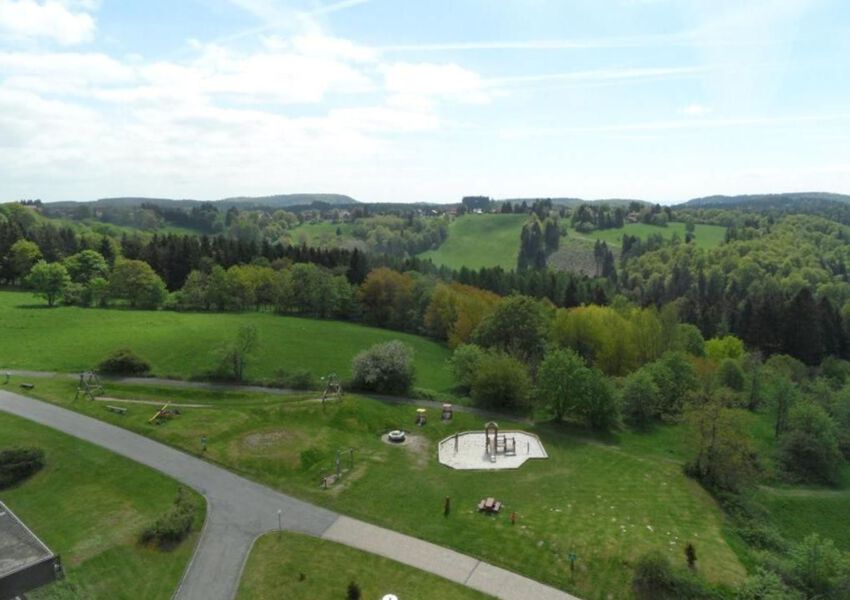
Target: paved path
{"type": "Point", "coordinates": [239, 510]}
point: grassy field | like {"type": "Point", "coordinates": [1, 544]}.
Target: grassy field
{"type": "Point", "coordinates": [321, 234]}
{"type": "Point", "coordinates": [707, 236]}
{"type": "Point", "coordinates": [279, 561]}
{"type": "Point", "coordinates": [89, 506]}
{"type": "Point", "coordinates": [477, 241]}
{"type": "Point", "coordinates": [608, 501]}
{"type": "Point", "coordinates": [186, 344]}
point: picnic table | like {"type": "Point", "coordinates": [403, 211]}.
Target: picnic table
{"type": "Point", "coordinates": [490, 505]}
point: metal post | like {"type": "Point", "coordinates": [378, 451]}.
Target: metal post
{"type": "Point", "coordinates": [279, 520]}
{"type": "Point", "coordinates": [338, 467]}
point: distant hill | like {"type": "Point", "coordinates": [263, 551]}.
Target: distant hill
{"type": "Point", "coordinates": [276, 201]}
{"type": "Point", "coordinates": [765, 199]}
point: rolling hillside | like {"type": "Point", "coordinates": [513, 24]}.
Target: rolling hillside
{"type": "Point", "coordinates": [477, 241]}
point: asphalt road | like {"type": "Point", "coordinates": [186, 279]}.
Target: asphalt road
{"type": "Point", "coordinates": [240, 510]}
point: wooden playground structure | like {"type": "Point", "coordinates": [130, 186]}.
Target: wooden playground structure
{"type": "Point", "coordinates": [333, 388]}
{"type": "Point", "coordinates": [89, 386]}
{"type": "Point", "coordinates": [164, 414]}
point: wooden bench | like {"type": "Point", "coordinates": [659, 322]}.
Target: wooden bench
{"type": "Point", "coordinates": [116, 409]}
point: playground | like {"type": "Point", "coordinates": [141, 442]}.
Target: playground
{"type": "Point", "coordinates": [490, 449]}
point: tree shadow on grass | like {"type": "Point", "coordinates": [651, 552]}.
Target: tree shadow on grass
{"type": "Point", "coordinates": [35, 306]}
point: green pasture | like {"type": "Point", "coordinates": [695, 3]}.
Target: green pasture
{"type": "Point", "coordinates": [322, 233]}
{"type": "Point", "coordinates": [187, 345]}
{"type": "Point", "coordinates": [89, 506]}
{"type": "Point", "coordinates": [477, 241]}
{"type": "Point", "coordinates": [607, 500]}
{"type": "Point", "coordinates": [299, 567]}
{"type": "Point", "coordinates": [706, 236]}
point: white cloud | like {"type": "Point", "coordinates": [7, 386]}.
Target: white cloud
{"type": "Point", "coordinates": [440, 80]}
{"type": "Point", "coordinates": [695, 110]}
{"type": "Point", "coordinates": [50, 19]}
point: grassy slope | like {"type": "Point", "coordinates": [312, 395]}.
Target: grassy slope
{"type": "Point", "coordinates": [277, 560]}
{"type": "Point", "coordinates": [707, 236]}
{"type": "Point", "coordinates": [185, 344]}
{"type": "Point", "coordinates": [477, 241]}
{"type": "Point", "coordinates": [608, 502]}
{"type": "Point", "coordinates": [89, 506]}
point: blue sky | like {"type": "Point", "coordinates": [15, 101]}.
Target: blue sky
{"type": "Point", "coordinates": [405, 100]}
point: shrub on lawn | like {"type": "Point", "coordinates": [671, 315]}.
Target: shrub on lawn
{"type": "Point", "coordinates": [174, 525]}
{"type": "Point", "coordinates": [386, 368]}
{"type": "Point", "coordinates": [656, 578]}
{"type": "Point", "coordinates": [299, 379]}
{"type": "Point", "coordinates": [16, 464]}
{"type": "Point", "coordinates": [124, 362]}
{"type": "Point", "coordinates": [353, 592]}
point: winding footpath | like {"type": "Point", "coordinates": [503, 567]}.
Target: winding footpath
{"type": "Point", "coordinates": [240, 510]}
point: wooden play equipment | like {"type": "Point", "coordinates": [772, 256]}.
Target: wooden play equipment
{"type": "Point", "coordinates": [498, 444]}
{"type": "Point", "coordinates": [333, 387]}
{"type": "Point", "coordinates": [89, 386]}
{"type": "Point", "coordinates": [163, 414]}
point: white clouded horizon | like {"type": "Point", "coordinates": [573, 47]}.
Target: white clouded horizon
{"type": "Point", "coordinates": [304, 108]}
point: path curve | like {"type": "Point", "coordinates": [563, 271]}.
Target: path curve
{"type": "Point", "coordinates": [240, 510]}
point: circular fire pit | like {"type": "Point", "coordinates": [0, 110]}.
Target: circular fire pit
{"type": "Point", "coordinates": [396, 436]}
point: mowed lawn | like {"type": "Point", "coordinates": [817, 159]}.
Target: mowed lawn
{"type": "Point", "coordinates": [477, 241]}
{"type": "Point", "coordinates": [298, 567]}
{"type": "Point", "coordinates": [607, 502]}
{"type": "Point", "coordinates": [187, 344]}
{"type": "Point", "coordinates": [707, 236]}
{"type": "Point", "coordinates": [89, 506]}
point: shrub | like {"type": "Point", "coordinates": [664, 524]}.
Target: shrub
{"type": "Point", "coordinates": [465, 362]}
{"type": "Point", "coordinates": [353, 592]}
{"type": "Point", "coordinates": [640, 399]}
{"type": "Point", "coordinates": [655, 578]}
{"type": "Point", "coordinates": [124, 362]}
{"type": "Point", "coordinates": [502, 382]}
{"type": "Point", "coordinates": [299, 379]}
{"type": "Point", "coordinates": [809, 449]}
{"type": "Point", "coordinates": [385, 368]}
{"type": "Point", "coordinates": [16, 464]}
{"type": "Point", "coordinates": [731, 374]}
{"type": "Point", "coordinates": [173, 526]}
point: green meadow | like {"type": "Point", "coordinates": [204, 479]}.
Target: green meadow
{"type": "Point", "coordinates": [299, 567]}
{"type": "Point", "coordinates": [609, 500]}
{"type": "Point", "coordinates": [187, 345]}
{"type": "Point", "coordinates": [89, 506]}
{"type": "Point", "coordinates": [706, 236]}
{"type": "Point", "coordinates": [477, 241]}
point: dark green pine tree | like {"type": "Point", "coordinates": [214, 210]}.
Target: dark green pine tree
{"type": "Point", "coordinates": [803, 335]}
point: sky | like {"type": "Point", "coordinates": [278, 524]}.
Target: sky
{"type": "Point", "coordinates": [412, 100]}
